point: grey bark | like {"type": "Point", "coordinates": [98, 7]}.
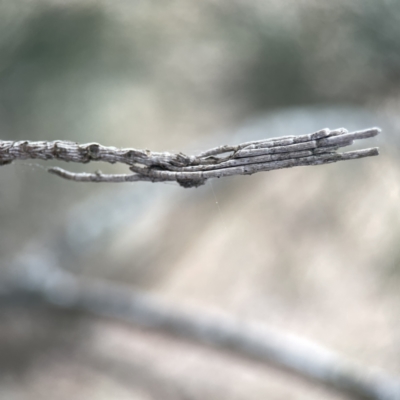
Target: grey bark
{"type": "Point", "coordinates": [191, 171]}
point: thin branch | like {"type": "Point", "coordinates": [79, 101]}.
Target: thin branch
{"type": "Point", "coordinates": [191, 171]}
{"type": "Point", "coordinates": [310, 360]}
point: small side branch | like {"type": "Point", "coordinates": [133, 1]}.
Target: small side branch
{"type": "Point", "coordinates": [191, 171]}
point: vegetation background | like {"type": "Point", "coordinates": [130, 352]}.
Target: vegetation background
{"type": "Point", "coordinates": [313, 251]}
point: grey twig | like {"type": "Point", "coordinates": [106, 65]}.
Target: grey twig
{"type": "Point", "coordinates": [61, 289]}
{"type": "Point", "coordinates": [191, 171]}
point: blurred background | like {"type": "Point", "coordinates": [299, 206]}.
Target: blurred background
{"type": "Point", "coordinates": [313, 251]}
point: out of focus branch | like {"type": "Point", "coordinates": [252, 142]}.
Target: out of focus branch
{"type": "Point", "coordinates": [56, 287]}
{"type": "Point", "coordinates": [191, 171]}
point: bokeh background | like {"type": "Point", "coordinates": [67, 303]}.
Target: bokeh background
{"type": "Point", "coordinates": [313, 251]}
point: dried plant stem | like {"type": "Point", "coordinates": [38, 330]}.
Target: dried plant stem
{"type": "Point", "coordinates": [191, 171]}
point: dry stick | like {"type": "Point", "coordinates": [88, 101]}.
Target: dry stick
{"type": "Point", "coordinates": [255, 341]}
{"type": "Point", "coordinates": [190, 171]}
{"type": "Point", "coordinates": [198, 178]}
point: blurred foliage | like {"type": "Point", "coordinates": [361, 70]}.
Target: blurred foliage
{"type": "Point", "coordinates": [53, 64]}
{"type": "Point", "coordinates": [62, 64]}
{"type": "Point", "coordinates": [376, 26]}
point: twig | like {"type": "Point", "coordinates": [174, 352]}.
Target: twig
{"type": "Point", "coordinates": [191, 171]}
{"type": "Point", "coordinates": [303, 357]}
